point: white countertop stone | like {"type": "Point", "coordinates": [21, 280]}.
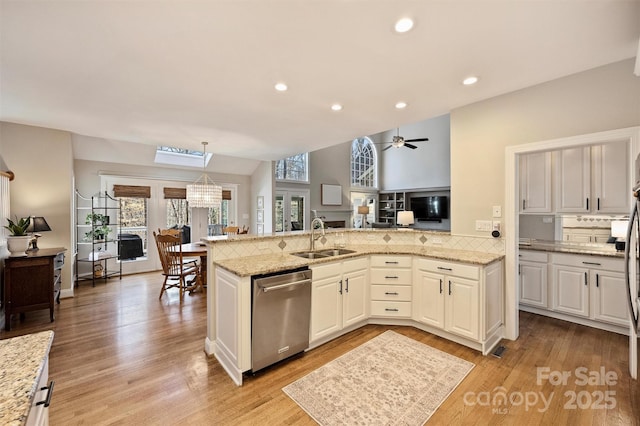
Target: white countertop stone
{"type": "Point", "coordinates": [21, 363]}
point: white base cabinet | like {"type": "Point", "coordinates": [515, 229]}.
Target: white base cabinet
{"type": "Point", "coordinates": [339, 297]}
{"type": "Point", "coordinates": [589, 290]}
{"type": "Point", "coordinates": [533, 272]}
{"type": "Point", "coordinates": [465, 300]}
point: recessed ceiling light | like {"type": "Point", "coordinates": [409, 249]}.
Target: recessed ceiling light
{"type": "Point", "coordinates": [336, 107]}
{"type": "Point", "coordinates": [401, 105]}
{"type": "Point", "coordinates": [403, 25]}
{"type": "Point", "coordinates": [281, 87]}
{"type": "Point", "coordinates": [470, 80]}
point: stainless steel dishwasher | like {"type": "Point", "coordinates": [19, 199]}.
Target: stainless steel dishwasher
{"type": "Point", "coordinates": [281, 314]}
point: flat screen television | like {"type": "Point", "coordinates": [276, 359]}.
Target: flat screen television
{"type": "Point", "coordinates": [434, 207]}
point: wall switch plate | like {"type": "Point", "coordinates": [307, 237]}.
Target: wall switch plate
{"type": "Point", "coordinates": [436, 240]}
{"type": "Point", "coordinates": [497, 211]}
{"type": "Point", "coordinates": [547, 219]}
{"type": "Point", "coordinates": [483, 225]}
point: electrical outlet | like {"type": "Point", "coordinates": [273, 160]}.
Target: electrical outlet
{"type": "Point", "coordinates": [497, 211]}
{"type": "Point", "coordinates": [436, 240]}
{"type": "Point", "coordinates": [371, 237]}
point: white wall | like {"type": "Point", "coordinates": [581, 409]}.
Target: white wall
{"type": "Point", "coordinates": [427, 166]}
{"type": "Point", "coordinates": [601, 99]}
{"type": "Point", "coordinates": [42, 162]}
{"type": "Point", "coordinates": [263, 184]}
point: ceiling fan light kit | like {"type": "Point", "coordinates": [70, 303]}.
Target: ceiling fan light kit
{"type": "Point", "coordinates": [398, 141]}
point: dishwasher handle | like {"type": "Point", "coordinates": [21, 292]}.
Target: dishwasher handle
{"type": "Point", "coordinates": [278, 287]}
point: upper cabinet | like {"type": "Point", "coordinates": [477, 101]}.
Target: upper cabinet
{"type": "Point", "coordinates": [593, 179]}
{"type": "Point", "coordinates": [535, 183]}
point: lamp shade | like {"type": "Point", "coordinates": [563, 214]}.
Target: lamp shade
{"type": "Point", "coordinates": [38, 224]}
{"type": "Point", "coordinates": [405, 218]}
{"type": "Point", "coordinates": [619, 228]}
{"type": "Point", "coordinates": [363, 209]}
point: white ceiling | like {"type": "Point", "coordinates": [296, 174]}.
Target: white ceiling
{"type": "Point", "coordinates": [180, 72]}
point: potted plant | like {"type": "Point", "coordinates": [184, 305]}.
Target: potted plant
{"type": "Point", "coordinates": [18, 240]}
{"type": "Point", "coordinates": [100, 227]}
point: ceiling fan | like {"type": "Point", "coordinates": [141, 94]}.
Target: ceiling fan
{"type": "Point", "coordinates": [399, 141]}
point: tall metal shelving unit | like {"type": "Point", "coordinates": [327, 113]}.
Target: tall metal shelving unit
{"type": "Point", "coordinates": [94, 216]}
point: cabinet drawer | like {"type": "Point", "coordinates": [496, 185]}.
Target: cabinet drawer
{"type": "Point", "coordinates": [533, 256]}
{"type": "Point", "coordinates": [391, 261]}
{"type": "Point", "coordinates": [595, 262]}
{"type": "Point", "coordinates": [449, 268]}
{"type": "Point", "coordinates": [391, 276]}
{"type": "Point", "coordinates": [390, 308]}
{"type": "Point", "coordinates": [391, 292]}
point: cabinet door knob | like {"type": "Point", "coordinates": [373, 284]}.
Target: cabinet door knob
{"type": "Point", "coordinates": [586, 279]}
{"type": "Point", "coordinates": [340, 290]}
{"type": "Point", "coordinates": [449, 287]}
{"type": "Point", "coordinates": [440, 285]}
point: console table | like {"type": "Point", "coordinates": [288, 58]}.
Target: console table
{"type": "Point", "coordinates": [32, 282]}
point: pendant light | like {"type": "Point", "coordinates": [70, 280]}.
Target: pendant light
{"type": "Point", "coordinates": [204, 192]}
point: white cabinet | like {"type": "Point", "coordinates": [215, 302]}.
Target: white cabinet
{"type": "Point", "coordinates": [593, 179]}
{"type": "Point", "coordinates": [532, 270]}
{"type": "Point", "coordinates": [449, 297]}
{"type": "Point", "coordinates": [391, 278]}
{"type": "Point", "coordinates": [573, 180]}
{"type": "Point", "coordinates": [39, 414]}
{"type": "Point", "coordinates": [535, 183]}
{"type": "Point", "coordinates": [586, 235]}
{"type": "Point", "coordinates": [571, 290]}
{"type": "Point", "coordinates": [611, 177]}
{"type": "Point", "coordinates": [339, 297]}
{"type": "Point", "coordinates": [591, 287]}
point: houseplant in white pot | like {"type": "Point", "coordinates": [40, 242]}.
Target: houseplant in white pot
{"type": "Point", "coordinates": [18, 241]}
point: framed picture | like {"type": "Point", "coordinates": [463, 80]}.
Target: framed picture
{"type": "Point", "coordinates": [331, 195]}
{"type": "Point", "coordinates": [260, 216]}
{"type": "Point", "coordinates": [260, 202]}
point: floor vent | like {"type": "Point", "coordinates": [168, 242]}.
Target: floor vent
{"type": "Point", "coordinates": [499, 351]}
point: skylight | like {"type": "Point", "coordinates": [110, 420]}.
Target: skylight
{"type": "Point", "coordinates": [181, 157]}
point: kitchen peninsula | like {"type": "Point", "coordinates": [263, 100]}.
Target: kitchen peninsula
{"type": "Point", "coordinates": [423, 279]}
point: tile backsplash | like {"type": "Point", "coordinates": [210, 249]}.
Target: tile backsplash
{"type": "Point", "coordinates": [273, 244]}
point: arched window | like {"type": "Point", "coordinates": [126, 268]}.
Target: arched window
{"type": "Point", "coordinates": [363, 164]}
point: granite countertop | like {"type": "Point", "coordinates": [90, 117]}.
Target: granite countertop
{"type": "Point", "coordinates": [575, 248]}
{"type": "Point", "coordinates": [269, 263]}
{"type": "Point", "coordinates": [21, 364]}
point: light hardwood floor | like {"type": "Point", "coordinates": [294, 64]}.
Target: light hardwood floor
{"type": "Point", "coordinates": [121, 356]}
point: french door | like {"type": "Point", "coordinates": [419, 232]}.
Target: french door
{"type": "Point", "coordinates": [291, 210]}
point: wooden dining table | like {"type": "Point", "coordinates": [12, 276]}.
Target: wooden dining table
{"type": "Point", "coordinates": [197, 250]}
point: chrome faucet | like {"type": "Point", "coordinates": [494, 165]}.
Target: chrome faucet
{"type": "Point", "coordinates": [314, 237]}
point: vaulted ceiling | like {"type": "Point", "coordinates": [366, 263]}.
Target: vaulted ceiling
{"type": "Point", "coordinates": [180, 72]}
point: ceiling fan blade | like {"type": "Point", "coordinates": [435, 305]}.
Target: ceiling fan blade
{"type": "Point", "coordinates": [417, 140]}
{"type": "Point", "coordinates": [408, 145]}
{"type": "Point", "coordinates": [384, 149]}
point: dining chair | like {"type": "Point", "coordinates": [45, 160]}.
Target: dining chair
{"type": "Point", "coordinates": [177, 273]}
{"type": "Point", "coordinates": [230, 230]}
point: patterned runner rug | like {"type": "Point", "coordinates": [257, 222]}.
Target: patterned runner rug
{"type": "Point", "coordinates": [390, 380]}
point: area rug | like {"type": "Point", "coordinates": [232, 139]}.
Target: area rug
{"type": "Point", "coordinates": [390, 380]}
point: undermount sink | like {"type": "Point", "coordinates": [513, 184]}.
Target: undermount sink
{"type": "Point", "coordinates": [323, 253]}
{"type": "Point", "coordinates": [310, 254]}
{"type": "Point", "coordinates": [337, 252]}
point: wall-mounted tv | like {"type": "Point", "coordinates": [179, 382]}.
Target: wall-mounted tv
{"type": "Point", "coordinates": [434, 207]}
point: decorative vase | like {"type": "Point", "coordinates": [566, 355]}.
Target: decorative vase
{"type": "Point", "coordinates": [18, 245]}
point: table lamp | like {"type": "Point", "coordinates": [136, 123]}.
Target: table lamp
{"type": "Point", "coordinates": [405, 218]}
{"type": "Point", "coordinates": [619, 232]}
{"type": "Point", "coordinates": [38, 224]}
{"type": "Point", "coordinates": [364, 211]}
